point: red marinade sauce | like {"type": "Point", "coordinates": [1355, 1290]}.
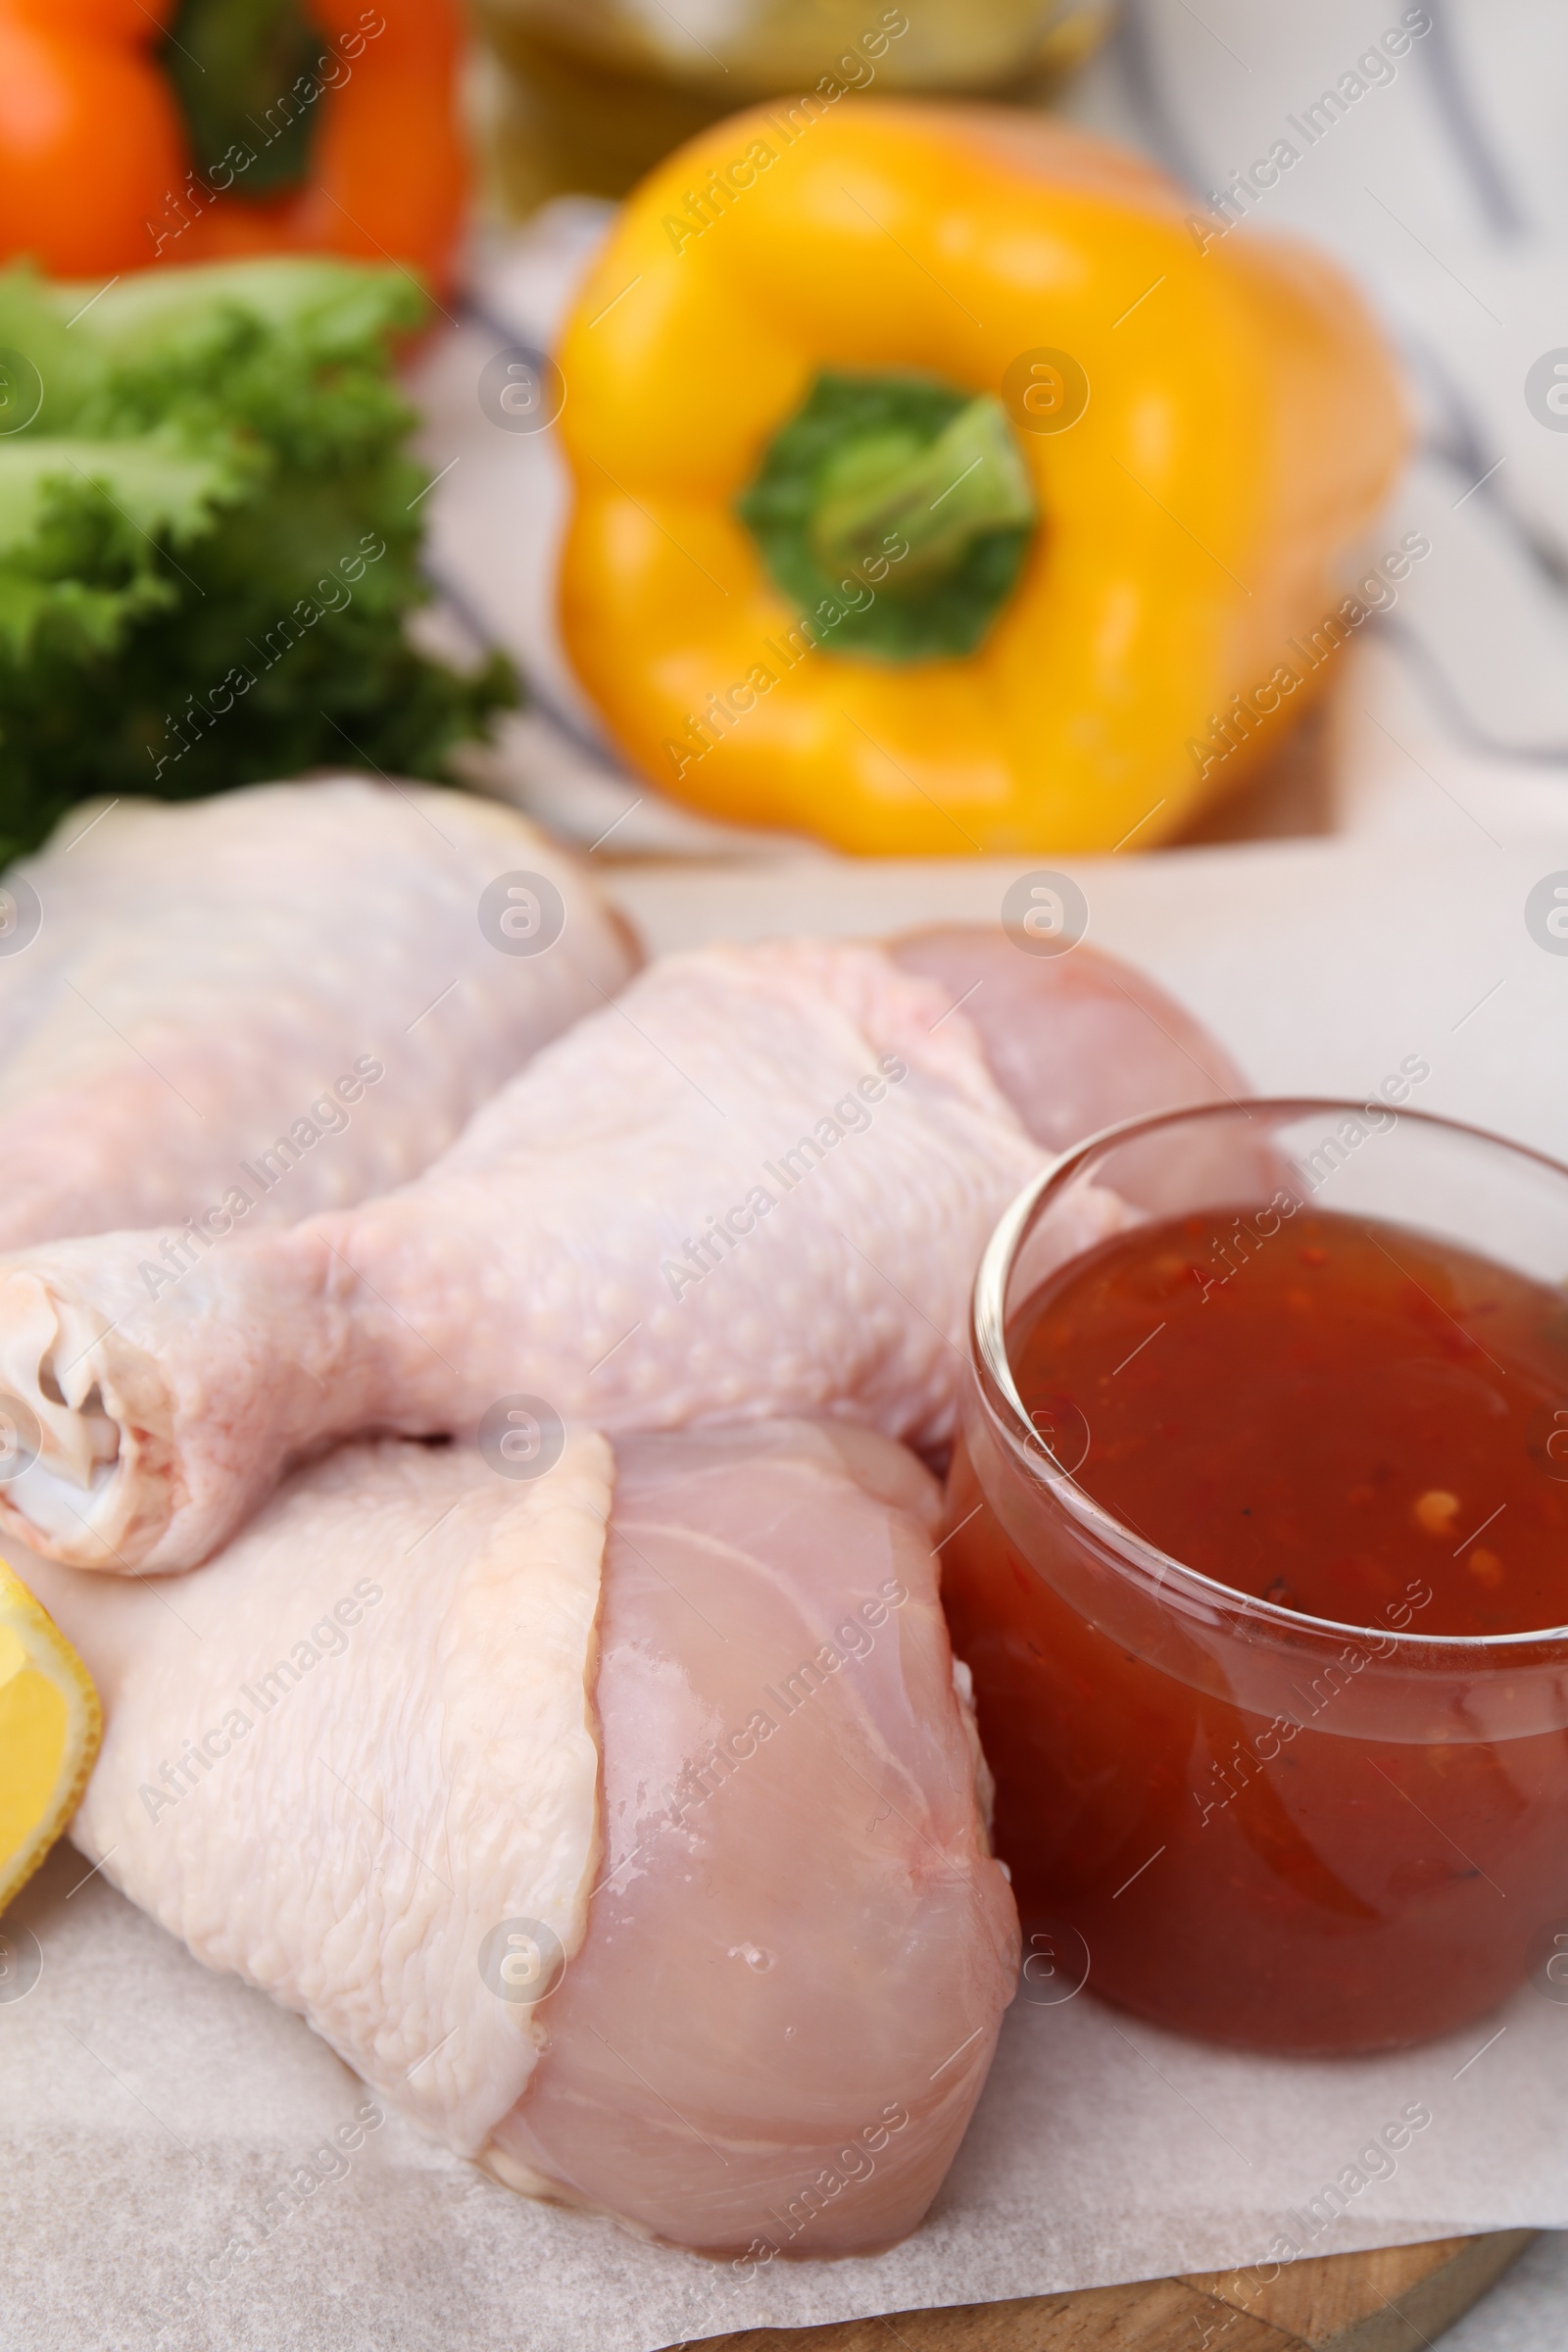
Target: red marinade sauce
{"type": "Point", "coordinates": [1321, 1850]}
{"type": "Point", "coordinates": [1326, 1419]}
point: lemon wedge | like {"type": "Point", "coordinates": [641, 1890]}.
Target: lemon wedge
{"type": "Point", "coordinates": [50, 1727]}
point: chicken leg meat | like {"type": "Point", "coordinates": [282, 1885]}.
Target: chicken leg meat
{"type": "Point", "coordinates": [649, 1869]}
{"type": "Point", "coordinates": [758, 1184]}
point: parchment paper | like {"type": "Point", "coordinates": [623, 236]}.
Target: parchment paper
{"type": "Point", "coordinates": [159, 2185]}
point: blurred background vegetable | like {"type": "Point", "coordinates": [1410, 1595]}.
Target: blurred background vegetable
{"type": "Point", "coordinates": [938, 490]}
{"type": "Point", "coordinates": [208, 538]}
{"type": "Point", "coordinates": [131, 133]}
{"type": "Point", "coordinates": [91, 141]}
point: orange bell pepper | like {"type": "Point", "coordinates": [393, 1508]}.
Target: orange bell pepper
{"type": "Point", "coordinates": [91, 140]}
{"type": "Point", "coordinates": [97, 172]}
{"type": "Point", "coordinates": [389, 176]}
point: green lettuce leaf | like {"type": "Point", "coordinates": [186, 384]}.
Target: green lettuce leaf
{"type": "Point", "coordinates": [210, 538]}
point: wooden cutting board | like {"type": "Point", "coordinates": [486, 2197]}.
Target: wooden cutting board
{"type": "Point", "coordinates": [1393, 2300]}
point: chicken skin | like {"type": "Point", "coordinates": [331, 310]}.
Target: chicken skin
{"type": "Point", "coordinates": [622, 1824]}
{"type": "Point", "coordinates": [758, 1184]}
{"type": "Point", "coordinates": [244, 1009]}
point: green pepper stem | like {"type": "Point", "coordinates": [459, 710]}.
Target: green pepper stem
{"type": "Point", "coordinates": [935, 502]}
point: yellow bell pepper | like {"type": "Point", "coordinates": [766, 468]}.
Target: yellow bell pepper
{"type": "Point", "coordinates": [942, 486]}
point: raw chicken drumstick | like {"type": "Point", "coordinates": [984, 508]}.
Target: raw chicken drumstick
{"type": "Point", "coordinates": [1075, 1042]}
{"type": "Point", "coordinates": [240, 1010]}
{"type": "Point", "coordinates": [399, 1756]}
{"type": "Point", "coordinates": [756, 1184]}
